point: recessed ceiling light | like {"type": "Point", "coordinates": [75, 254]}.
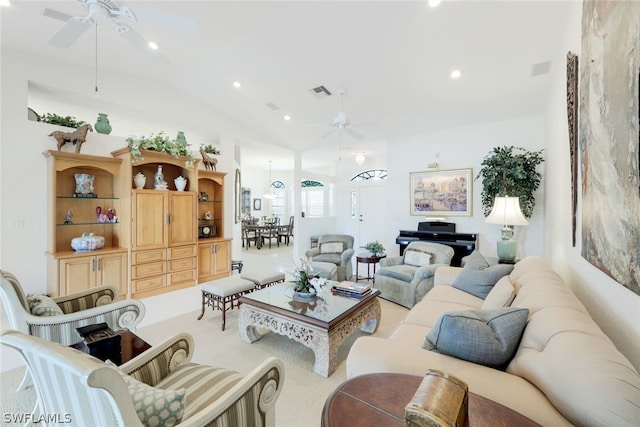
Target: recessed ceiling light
{"type": "Point", "coordinates": [153, 45]}
{"type": "Point", "coordinates": [287, 117]}
{"type": "Point", "coordinates": [237, 84]}
{"type": "Point", "coordinates": [455, 74]}
{"type": "Point", "coordinates": [434, 3]}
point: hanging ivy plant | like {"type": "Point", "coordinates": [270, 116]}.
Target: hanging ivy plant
{"type": "Point", "coordinates": [162, 143]}
{"type": "Point", "coordinates": [510, 171]}
{"type": "Point", "coordinates": [68, 121]}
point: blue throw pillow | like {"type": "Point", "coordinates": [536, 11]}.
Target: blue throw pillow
{"type": "Point", "coordinates": [486, 337]}
{"type": "Point", "coordinates": [477, 277]}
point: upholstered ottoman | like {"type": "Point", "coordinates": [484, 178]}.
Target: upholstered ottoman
{"type": "Point", "coordinates": [263, 278]}
{"type": "Point", "coordinates": [325, 269]}
{"type": "Point", "coordinates": [223, 294]}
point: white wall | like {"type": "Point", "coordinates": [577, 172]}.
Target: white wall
{"type": "Point", "coordinates": [461, 148]}
{"type": "Point", "coordinates": [614, 307]}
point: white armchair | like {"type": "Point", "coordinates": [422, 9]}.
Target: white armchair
{"type": "Point", "coordinates": [101, 396]}
{"type": "Point", "coordinates": [96, 305]}
{"type": "Point", "coordinates": [406, 279]}
{"type": "Point", "coordinates": [336, 249]}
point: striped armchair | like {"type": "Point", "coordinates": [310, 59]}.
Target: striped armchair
{"type": "Point", "coordinates": [88, 307]}
{"type": "Point", "coordinates": [102, 396]}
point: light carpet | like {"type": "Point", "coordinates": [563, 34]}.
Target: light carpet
{"type": "Point", "coordinates": [304, 392]}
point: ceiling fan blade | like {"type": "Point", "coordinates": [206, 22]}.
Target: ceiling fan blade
{"type": "Point", "coordinates": [140, 43]}
{"type": "Point", "coordinates": [328, 134]}
{"type": "Point", "coordinates": [56, 15]}
{"type": "Point", "coordinates": [354, 134]}
{"type": "Point", "coordinates": [69, 33]}
{"type": "Point", "coordinates": [175, 22]}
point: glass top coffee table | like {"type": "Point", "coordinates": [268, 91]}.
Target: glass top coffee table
{"type": "Point", "coordinates": [321, 324]}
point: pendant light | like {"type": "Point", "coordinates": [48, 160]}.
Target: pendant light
{"type": "Point", "coordinates": [269, 194]}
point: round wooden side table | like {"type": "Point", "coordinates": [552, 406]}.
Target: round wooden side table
{"type": "Point", "coordinates": [378, 400]}
{"type": "Point", "coordinates": [369, 259]}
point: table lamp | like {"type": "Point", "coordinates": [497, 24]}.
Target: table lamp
{"type": "Point", "coordinates": [506, 211]}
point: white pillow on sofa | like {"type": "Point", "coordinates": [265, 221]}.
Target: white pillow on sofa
{"type": "Point", "coordinates": [331, 247]}
{"type": "Point", "coordinates": [417, 258]}
{"type": "Point", "coordinates": [501, 295]}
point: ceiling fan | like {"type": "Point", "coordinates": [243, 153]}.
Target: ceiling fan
{"type": "Point", "coordinates": [342, 123]}
{"type": "Point", "coordinates": [121, 16]}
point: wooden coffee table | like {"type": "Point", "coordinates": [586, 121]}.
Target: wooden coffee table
{"type": "Point", "coordinates": [131, 346]}
{"type": "Point", "coordinates": [378, 400]}
{"type": "Point", "coordinates": [322, 324]}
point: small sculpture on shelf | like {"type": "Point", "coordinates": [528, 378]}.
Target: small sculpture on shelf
{"type": "Point", "coordinates": [159, 182]}
{"type": "Point", "coordinates": [68, 217]}
{"type": "Point", "coordinates": [77, 137]}
{"type": "Point", "coordinates": [207, 215]}
{"type": "Point", "coordinates": [208, 161]}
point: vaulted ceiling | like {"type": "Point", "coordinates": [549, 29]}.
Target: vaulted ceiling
{"type": "Point", "coordinates": [393, 60]}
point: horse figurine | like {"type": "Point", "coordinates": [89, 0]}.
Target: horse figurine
{"type": "Point", "coordinates": [208, 161]}
{"type": "Point", "coordinates": [77, 137]}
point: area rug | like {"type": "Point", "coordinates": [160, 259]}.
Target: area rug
{"type": "Point", "coordinates": [304, 392]}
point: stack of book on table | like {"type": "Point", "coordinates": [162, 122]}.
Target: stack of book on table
{"type": "Point", "coordinates": [352, 289]}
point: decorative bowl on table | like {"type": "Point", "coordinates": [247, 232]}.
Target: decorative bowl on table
{"type": "Point", "coordinates": [87, 242]}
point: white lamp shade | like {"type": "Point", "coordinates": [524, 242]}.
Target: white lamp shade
{"type": "Point", "coordinates": [506, 211]}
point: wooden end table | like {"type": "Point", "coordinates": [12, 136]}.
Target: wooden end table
{"type": "Point", "coordinates": [369, 259]}
{"type": "Point", "coordinates": [131, 346]}
{"type": "Point", "coordinates": [378, 400]}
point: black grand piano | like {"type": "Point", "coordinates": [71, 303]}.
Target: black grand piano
{"type": "Point", "coordinates": [440, 232]}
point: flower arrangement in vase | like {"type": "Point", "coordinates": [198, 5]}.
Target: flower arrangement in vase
{"type": "Point", "coordinates": [375, 248]}
{"type": "Point", "coordinates": [303, 287]}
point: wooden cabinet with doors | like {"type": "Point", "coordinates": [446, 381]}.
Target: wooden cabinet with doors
{"type": "Point", "coordinates": [73, 212]}
{"type": "Point", "coordinates": [80, 272]}
{"type": "Point", "coordinates": [214, 259]}
{"type": "Point", "coordinates": [163, 231]}
{"type": "Point", "coordinates": [214, 251]}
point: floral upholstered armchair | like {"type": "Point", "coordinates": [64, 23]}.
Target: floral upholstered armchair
{"type": "Point", "coordinates": [159, 387]}
{"type": "Point", "coordinates": [406, 279]}
{"type": "Point", "coordinates": [335, 249]}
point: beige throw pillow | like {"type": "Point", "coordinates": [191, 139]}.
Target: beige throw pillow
{"type": "Point", "coordinates": [501, 295]}
{"type": "Point", "coordinates": [331, 247]}
{"type": "Point", "coordinates": [417, 258]}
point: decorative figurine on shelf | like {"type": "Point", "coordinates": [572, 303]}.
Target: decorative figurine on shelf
{"type": "Point", "coordinates": [159, 182]}
{"type": "Point", "coordinates": [103, 125]}
{"type": "Point", "coordinates": [207, 215]}
{"type": "Point", "coordinates": [77, 138]}
{"type": "Point", "coordinates": [68, 217]}
{"type": "Point", "coordinates": [111, 215]}
{"type": "Point", "coordinates": [208, 161]}
{"type": "Point", "coordinates": [101, 217]}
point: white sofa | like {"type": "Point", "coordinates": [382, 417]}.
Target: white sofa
{"type": "Point", "coordinates": [565, 371]}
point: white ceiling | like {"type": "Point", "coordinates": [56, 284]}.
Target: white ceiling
{"type": "Point", "coordinates": [393, 58]}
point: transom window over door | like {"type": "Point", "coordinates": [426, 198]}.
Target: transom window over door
{"type": "Point", "coordinates": [312, 198]}
{"type": "Point", "coordinates": [370, 174]}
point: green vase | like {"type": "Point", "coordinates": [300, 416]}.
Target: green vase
{"type": "Point", "coordinates": [103, 125]}
{"type": "Point", "coordinates": [180, 139]}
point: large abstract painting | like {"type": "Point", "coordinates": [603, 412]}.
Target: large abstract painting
{"type": "Point", "coordinates": [610, 138]}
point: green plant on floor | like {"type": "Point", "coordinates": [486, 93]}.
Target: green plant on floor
{"type": "Point", "coordinates": [68, 121]}
{"type": "Point", "coordinates": [210, 149]}
{"type": "Point", "coordinates": [510, 171]}
{"type": "Point", "coordinates": [374, 247]}
{"type": "Point", "coordinates": [162, 143]}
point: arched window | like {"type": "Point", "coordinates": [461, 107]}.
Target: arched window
{"type": "Point", "coordinates": [312, 198]}
{"type": "Point", "coordinates": [371, 174]}
{"type": "Point", "coordinates": [277, 204]}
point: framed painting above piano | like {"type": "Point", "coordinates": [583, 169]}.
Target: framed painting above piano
{"type": "Point", "coordinates": [441, 192]}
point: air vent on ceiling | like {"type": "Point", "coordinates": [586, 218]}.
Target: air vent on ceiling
{"type": "Point", "coordinates": [540, 68]}
{"type": "Point", "coordinates": [320, 92]}
{"type": "Point", "coordinates": [272, 106]}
